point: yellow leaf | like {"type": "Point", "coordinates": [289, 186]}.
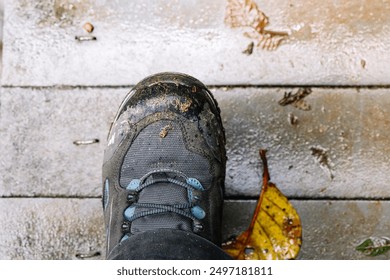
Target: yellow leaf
{"type": "Point", "coordinates": [275, 231]}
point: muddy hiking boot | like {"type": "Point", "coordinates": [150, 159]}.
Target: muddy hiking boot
{"type": "Point", "coordinates": [163, 172]}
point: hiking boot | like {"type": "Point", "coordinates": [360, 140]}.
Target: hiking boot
{"type": "Point", "coordinates": [164, 166]}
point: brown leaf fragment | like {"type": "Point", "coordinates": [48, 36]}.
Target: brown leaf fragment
{"type": "Point", "coordinates": [321, 157]}
{"type": "Point", "coordinates": [275, 231]}
{"type": "Point", "coordinates": [296, 99]}
{"type": "Point", "coordinates": [246, 14]}
{"type": "Point", "coordinates": [267, 40]}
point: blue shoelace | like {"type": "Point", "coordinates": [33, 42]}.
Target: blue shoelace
{"type": "Point", "coordinates": [188, 210]}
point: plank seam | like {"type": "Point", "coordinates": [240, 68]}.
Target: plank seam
{"type": "Point", "coordinates": [70, 87]}
{"type": "Point", "coordinates": [229, 198]}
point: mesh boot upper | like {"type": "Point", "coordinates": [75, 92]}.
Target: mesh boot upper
{"type": "Point", "coordinates": [164, 165]}
{"type": "Point", "coordinates": [153, 151]}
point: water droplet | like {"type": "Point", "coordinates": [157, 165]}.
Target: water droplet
{"type": "Point", "coordinates": [249, 251]}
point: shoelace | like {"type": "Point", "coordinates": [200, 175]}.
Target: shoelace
{"type": "Point", "coordinates": [188, 210]}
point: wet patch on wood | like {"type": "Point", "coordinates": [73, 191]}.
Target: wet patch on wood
{"type": "Point", "coordinates": [246, 14]}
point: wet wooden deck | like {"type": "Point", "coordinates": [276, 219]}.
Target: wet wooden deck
{"type": "Point", "coordinates": [57, 90]}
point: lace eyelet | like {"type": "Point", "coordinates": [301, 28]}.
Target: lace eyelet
{"type": "Point", "coordinates": [132, 197]}
{"type": "Point", "coordinates": [198, 227]}
{"type": "Point", "coordinates": [125, 227]}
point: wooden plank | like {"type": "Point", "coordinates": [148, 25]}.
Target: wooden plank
{"type": "Point", "coordinates": [39, 128]}
{"type": "Point", "coordinates": [51, 229]}
{"type": "Point", "coordinates": [337, 149]}
{"type": "Point", "coordinates": [330, 43]}
{"type": "Point", "coordinates": [63, 228]}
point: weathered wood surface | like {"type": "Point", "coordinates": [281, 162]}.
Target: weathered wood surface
{"type": "Point", "coordinates": [50, 188]}
{"type": "Point", "coordinates": [56, 228]}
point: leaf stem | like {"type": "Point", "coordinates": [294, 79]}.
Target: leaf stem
{"type": "Point", "coordinates": [374, 247]}
{"type": "Point", "coordinates": [266, 178]}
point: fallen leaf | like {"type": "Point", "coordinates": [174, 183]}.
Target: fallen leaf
{"type": "Point", "coordinates": [296, 99]}
{"type": "Point", "coordinates": [374, 246]}
{"type": "Point", "coordinates": [275, 231]}
{"type": "Point", "coordinates": [245, 13]}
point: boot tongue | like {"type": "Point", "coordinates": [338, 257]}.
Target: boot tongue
{"type": "Point", "coordinates": [163, 193]}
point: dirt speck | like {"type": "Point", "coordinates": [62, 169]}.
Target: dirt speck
{"type": "Point", "coordinates": [249, 49]}
{"type": "Point", "coordinates": [292, 119]}
{"type": "Point", "coordinates": [184, 106]}
{"type": "Point", "coordinates": [88, 27]}
{"type": "Point", "coordinates": [164, 131]}
{"type": "Point", "coordinates": [363, 63]}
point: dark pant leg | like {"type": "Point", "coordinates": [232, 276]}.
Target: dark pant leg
{"type": "Point", "coordinates": [167, 244]}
